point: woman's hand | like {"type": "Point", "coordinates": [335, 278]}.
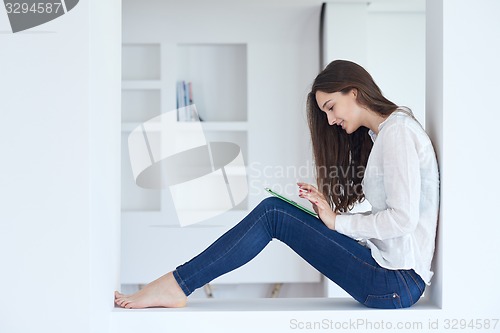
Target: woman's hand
{"type": "Point", "coordinates": [320, 205]}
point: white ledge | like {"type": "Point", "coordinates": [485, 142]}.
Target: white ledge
{"type": "Point", "coordinates": [274, 304]}
{"type": "Point", "coordinates": [261, 315]}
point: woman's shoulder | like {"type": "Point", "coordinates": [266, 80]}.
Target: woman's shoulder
{"type": "Point", "coordinates": [404, 122]}
{"type": "Point", "coordinates": [402, 117]}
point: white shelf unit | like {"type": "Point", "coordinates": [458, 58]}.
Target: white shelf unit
{"type": "Point", "coordinates": [150, 71]}
{"type": "Point", "coordinates": [152, 240]}
{"type": "Point", "coordinates": [149, 76]}
{"type": "Point", "coordinates": [141, 62]}
{"type": "Point", "coordinates": [141, 101]}
{"type": "Point", "coordinates": [218, 73]}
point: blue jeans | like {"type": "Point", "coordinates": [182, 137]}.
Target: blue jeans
{"type": "Point", "coordinates": [338, 257]}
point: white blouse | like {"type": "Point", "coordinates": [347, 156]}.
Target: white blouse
{"type": "Point", "coordinates": [401, 183]}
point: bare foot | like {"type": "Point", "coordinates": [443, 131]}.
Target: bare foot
{"type": "Point", "coordinates": [162, 292]}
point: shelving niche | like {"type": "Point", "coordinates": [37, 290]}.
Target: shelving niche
{"type": "Point", "coordinates": [218, 73]}
{"type": "Point", "coordinates": [150, 72]}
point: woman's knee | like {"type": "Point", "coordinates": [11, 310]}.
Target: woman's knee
{"type": "Point", "coordinates": [270, 202]}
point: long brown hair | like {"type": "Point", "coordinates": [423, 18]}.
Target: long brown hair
{"type": "Point", "coordinates": [341, 158]}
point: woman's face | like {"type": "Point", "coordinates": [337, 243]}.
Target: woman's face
{"type": "Point", "coordinates": [341, 109]}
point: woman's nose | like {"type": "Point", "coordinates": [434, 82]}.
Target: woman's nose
{"type": "Point", "coordinates": [331, 119]}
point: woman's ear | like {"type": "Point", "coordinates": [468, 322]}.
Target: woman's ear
{"type": "Point", "coordinates": [354, 91]}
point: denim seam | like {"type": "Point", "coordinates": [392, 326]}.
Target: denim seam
{"type": "Point", "coordinates": [390, 296]}
{"type": "Point", "coordinates": [406, 286]}
{"type": "Point", "coordinates": [416, 283]}
{"type": "Point", "coordinates": [182, 284]}
{"type": "Point", "coordinates": [267, 229]}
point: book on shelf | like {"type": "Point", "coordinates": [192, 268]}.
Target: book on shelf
{"type": "Point", "coordinates": [185, 104]}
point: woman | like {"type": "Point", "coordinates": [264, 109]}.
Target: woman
{"type": "Point", "coordinates": [364, 146]}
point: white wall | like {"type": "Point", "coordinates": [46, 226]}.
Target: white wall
{"type": "Point", "coordinates": [59, 102]}
{"type": "Point", "coordinates": [104, 81]}
{"type": "Point", "coordinates": [463, 118]}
